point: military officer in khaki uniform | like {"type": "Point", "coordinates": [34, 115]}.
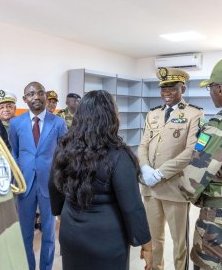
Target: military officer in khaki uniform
{"type": "Point", "coordinates": [165, 150]}
{"type": "Point", "coordinates": [51, 100]}
{"type": "Point", "coordinates": [72, 101]}
{"type": "Point", "coordinates": [7, 107]}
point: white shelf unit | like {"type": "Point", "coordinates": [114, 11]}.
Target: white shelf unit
{"type": "Point", "coordinates": [126, 91]}
{"type": "Point", "coordinates": [81, 81]}
{"type": "Point", "coordinates": [128, 99]}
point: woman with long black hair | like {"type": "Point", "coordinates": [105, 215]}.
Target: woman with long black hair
{"type": "Point", "coordinates": [94, 187]}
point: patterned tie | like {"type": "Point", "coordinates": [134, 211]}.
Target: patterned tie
{"type": "Point", "coordinates": [36, 130]}
{"type": "Point", "coordinates": [167, 113]}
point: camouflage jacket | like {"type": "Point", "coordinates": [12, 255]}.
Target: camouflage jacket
{"type": "Point", "coordinates": [67, 116]}
{"type": "Point", "coordinates": [204, 172]}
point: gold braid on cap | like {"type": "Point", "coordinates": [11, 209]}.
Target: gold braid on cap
{"type": "Point", "coordinates": [20, 181]}
{"type": "Point", "coordinates": [174, 78]}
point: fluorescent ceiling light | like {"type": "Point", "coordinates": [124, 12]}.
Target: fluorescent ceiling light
{"type": "Point", "coordinates": [183, 36]}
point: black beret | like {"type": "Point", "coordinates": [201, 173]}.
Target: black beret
{"type": "Point", "coordinates": [73, 95]}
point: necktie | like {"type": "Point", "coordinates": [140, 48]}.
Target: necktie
{"type": "Point", "coordinates": [167, 113]}
{"type": "Point", "coordinates": [36, 130]}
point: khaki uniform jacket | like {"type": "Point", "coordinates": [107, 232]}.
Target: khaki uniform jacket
{"type": "Point", "coordinates": [168, 147]}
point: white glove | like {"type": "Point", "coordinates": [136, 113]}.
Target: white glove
{"type": "Point", "coordinates": [151, 176]}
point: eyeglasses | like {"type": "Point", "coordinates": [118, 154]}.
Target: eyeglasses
{"type": "Point", "coordinates": [31, 94]}
{"type": "Point", "coordinates": [210, 86]}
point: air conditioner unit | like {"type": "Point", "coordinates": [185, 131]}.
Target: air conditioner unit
{"type": "Point", "coordinates": [188, 60]}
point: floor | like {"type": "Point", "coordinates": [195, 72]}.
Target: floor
{"type": "Point", "coordinates": [135, 262]}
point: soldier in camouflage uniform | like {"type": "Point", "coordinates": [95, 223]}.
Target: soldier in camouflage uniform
{"type": "Point", "coordinates": [204, 187]}
{"type": "Point", "coordinates": [72, 101]}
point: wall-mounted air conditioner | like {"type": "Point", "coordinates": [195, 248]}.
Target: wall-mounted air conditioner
{"type": "Point", "coordinates": [188, 60]}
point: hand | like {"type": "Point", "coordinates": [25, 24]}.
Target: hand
{"type": "Point", "coordinates": [150, 176]}
{"type": "Point", "coordinates": [148, 257]}
{"type": "Point", "coordinates": [147, 172]}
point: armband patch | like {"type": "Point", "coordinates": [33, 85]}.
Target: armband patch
{"type": "Point", "coordinates": [202, 141]}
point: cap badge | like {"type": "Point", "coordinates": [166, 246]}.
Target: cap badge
{"type": "Point", "coordinates": [2, 93]}
{"type": "Point", "coordinates": [163, 72]}
{"type": "Point", "coordinates": [176, 133]}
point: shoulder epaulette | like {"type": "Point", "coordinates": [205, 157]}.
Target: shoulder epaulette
{"type": "Point", "coordinates": [195, 106]}
{"type": "Point", "coordinates": [157, 107]}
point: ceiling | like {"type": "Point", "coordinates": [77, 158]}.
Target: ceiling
{"type": "Point", "coordinates": [130, 27]}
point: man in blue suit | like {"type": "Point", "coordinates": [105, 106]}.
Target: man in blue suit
{"type": "Point", "coordinates": [34, 136]}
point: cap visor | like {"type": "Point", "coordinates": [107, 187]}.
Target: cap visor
{"type": "Point", "coordinates": [205, 83]}
{"type": "Point", "coordinates": [170, 82]}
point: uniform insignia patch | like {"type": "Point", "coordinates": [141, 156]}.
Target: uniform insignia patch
{"type": "Point", "coordinates": [2, 93]}
{"type": "Point", "coordinates": [202, 141]}
{"type": "Point", "coordinates": [181, 106]}
{"type": "Point", "coordinates": [179, 120]}
{"type": "Point", "coordinates": [181, 115]}
{"type": "Point", "coordinates": [5, 176]}
{"type": "Point", "coordinates": [176, 133]}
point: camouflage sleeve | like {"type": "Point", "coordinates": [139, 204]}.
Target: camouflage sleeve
{"type": "Point", "coordinates": [205, 164]}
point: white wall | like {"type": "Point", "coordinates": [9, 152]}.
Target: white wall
{"type": "Point", "coordinates": [27, 55]}
{"type": "Point", "coordinates": [146, 68]}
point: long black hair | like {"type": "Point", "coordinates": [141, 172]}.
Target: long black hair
{"type": "Point", "coordinates": [93, 133]}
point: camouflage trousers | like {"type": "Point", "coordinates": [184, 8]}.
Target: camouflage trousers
{"type": "Point", "coordinates": [207, 244]}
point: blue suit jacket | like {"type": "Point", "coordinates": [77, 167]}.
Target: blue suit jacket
{"type": "Point", "coordinates": [35, 162]}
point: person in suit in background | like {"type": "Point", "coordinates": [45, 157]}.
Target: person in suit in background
{"type": "Point", "coordinates": [51, 103]}
{"type": "Point", "coordinates": [7, 107]}
{"type": "Point", "coordinates": [94, 186]}
{"type": "Point", "coordinates": [72, 102]}
{"type": "Point", "coordinates": [34, 136]}
{"type": "Point", "coordinates": [51, 100]}
{"type": "Point", "coordinates": [165, 150]}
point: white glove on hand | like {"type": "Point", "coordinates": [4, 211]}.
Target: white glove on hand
{"type": "Point", "coordinates": [150, 176]}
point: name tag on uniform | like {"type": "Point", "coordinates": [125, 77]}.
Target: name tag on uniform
{"type": "Point", "coordinates": [202, 141]}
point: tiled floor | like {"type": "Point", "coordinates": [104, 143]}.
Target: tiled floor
{"type": "Point", "coordinates": [135, 262]}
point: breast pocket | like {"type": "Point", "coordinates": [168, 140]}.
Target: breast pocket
{"type": "Point", "coordinates": [178, 131]}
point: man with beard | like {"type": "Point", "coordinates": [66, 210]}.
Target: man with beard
{"type": "Point", "coordinates": [165, 150]}
{"type": "Point", "coordinates": [34, 136]}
